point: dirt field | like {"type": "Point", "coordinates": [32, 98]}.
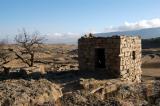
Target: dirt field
{"type": "Point", "coordinates": [151, 63]}
{"type": "Point", "coordinates": [64, 57]}
{"type": "Point", "coordinates": [55, 75]}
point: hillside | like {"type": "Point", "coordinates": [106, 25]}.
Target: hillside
{"type": "Point", "coordinates": [146, 33]}
{"type": "Point", "coordinates": [151, 43]}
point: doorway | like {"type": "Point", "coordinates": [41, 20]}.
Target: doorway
{"type": "Point", "coordinates": [99, 58]}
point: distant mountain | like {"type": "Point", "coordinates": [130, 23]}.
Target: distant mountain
{"type": "Point", "coordinates": [144, 33]}
{"type": "Point", "coordinates": [151, 43]}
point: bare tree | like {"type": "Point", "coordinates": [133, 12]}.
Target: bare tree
{"type": "Point", "coordinates": [28, 45]}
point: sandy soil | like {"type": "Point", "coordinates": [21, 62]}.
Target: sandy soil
{"type": "Point", "coordinates": [151, 63]}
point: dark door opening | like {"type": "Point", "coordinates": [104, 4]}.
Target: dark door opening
{"type": "Point", "coordinates": [100, 58]}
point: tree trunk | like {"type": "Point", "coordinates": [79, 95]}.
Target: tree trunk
{"type": "Point", "coordinates": [32, 60]}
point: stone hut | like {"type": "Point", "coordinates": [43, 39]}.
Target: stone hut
{"type": "Point", "coordinates": [119, 56]}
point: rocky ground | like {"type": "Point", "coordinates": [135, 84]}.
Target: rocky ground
{"type": "Point", "coordinates": [56, 81]}
{"type": "Point", "coordinates": [144, 94]}
{"type": "Point", "coordinates": [28, 92]}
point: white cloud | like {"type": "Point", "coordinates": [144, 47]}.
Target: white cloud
{"type": "Point", "coordinates": [71, 38]}
{"type": "Point", "coordinates": [135, 26]}
{"type": "Point", "coordinates": [68, 37]}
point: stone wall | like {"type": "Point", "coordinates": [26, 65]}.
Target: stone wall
{"type": "Point", "coordinates": [130, 58]}
{"type": "Point", "coordinates": [119, 59]}
{"type": "Point", "coordinates": [86, 53]}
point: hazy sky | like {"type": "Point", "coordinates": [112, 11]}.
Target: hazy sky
{"type": "Point", "coordinates": [67, 18]}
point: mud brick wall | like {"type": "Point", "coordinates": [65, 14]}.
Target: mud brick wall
{"type": "Point", "coordinates": [119, 59]}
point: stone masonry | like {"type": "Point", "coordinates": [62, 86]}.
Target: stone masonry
{"type": "Point", "coordinates": [119, 56]}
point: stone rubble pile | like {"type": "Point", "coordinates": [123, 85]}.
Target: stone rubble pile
{"type": "Point", "coordinates": [146, 93]}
